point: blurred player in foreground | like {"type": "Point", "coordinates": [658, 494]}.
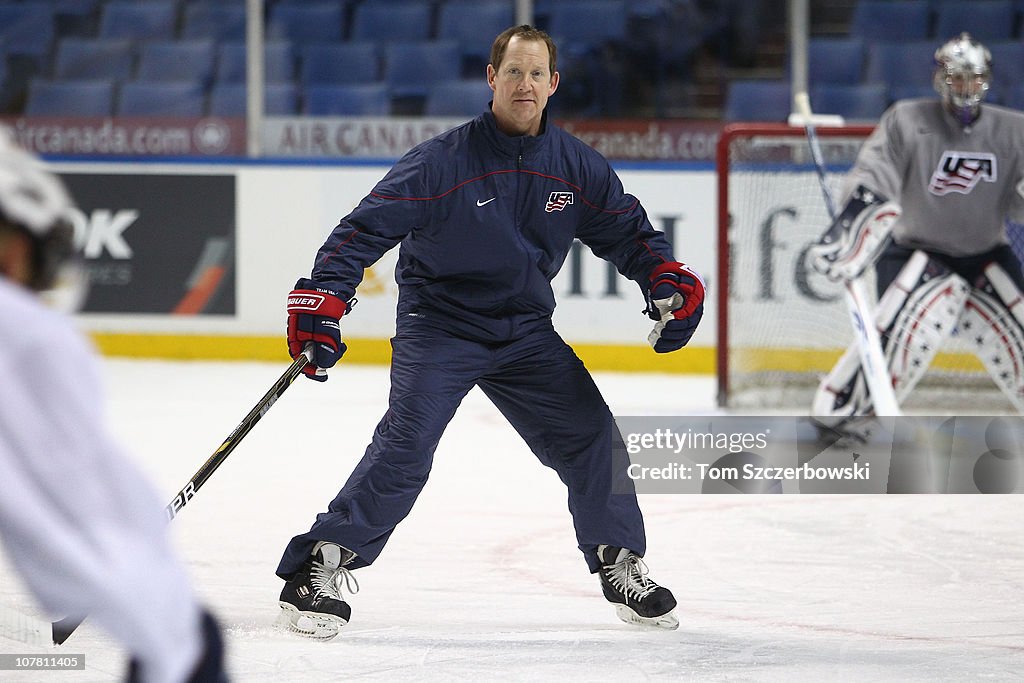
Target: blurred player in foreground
{"type": "Point", "coordinates": [926, 204]}
{"type": "Point", "coordinates": [486, 214]}
{"type": "Point", "coordinates": [79, 522]}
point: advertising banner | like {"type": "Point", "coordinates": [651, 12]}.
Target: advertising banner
{"type": "Point", "coordinates": [648, 139]}
{"type": "Point", "coordinates": [134, 137]}
{"type": "Point", "coordinates": [386, 138]}
{"type": "Point", "coordinates": [156, 243]}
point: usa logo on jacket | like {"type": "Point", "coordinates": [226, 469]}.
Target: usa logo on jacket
{"type": "Point", "coordinates": [558, 201]}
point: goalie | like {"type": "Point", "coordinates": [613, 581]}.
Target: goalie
{"type": "Point", "coordinates": [927, 204]}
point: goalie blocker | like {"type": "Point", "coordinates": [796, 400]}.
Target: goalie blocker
{"type": "Point", "coordinates": [928, 300]}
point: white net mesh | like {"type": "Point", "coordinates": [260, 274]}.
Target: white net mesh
{"type": "Point", "coordinates": [786, 325]}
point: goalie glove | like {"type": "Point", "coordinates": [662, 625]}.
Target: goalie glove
{"type": "Point", "coordinates": [675, 300]}
{"type": "Point", "coordinates": [314, 315]}
{"type": "Point", "coordinates": [856, 237]}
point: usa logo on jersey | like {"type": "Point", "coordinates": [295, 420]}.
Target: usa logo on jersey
{"type": "Point", "coordinates": [558, 201]}
{"type": "Point", "coordinates": [961, 171]}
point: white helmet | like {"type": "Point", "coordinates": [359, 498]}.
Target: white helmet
{"type": "Point", "coordinates": [962, 75]}
{"type": "Point", "coordinates": [34, 200]}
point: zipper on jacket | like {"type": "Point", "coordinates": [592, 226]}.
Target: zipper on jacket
{"type": "Point", "coordinates": [519, 167]}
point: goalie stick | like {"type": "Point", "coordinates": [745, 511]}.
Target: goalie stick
{"type": "Point", "coordinates": [62, 630]}
{"type": "Point", "coordinates": [869, 345]}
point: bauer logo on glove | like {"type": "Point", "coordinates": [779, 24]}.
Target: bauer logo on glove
{"type": "Point", "coordinates": [676, 302]}
{"type": "Point", "coordinates": [314, 315]}
{"type": "Point", "coordinates": [305, 302]}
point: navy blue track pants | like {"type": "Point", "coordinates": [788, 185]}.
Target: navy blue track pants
{"type": "Point", "coordinates": [544, 391]}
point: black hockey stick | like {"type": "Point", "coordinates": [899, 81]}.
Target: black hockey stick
{"type": "Point", "coordinates": [63, 629]}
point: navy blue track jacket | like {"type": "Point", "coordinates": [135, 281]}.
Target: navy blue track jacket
{"type": "Point", "coordinates": [485, 222]}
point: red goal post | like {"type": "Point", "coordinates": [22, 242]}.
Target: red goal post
{"type": "Point", "coordinates": [782, 326]}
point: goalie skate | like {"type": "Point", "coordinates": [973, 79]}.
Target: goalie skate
{"type": "Point", "coordinates": [311, 601]}
{"type": "Point", "coordinates": [638, 600]}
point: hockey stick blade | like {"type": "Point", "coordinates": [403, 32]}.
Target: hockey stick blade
{"type": "Point", "coordinates": [63, 629]}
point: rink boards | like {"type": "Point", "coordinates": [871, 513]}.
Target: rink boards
{"type": "Point", "coordinates": [194, 260]}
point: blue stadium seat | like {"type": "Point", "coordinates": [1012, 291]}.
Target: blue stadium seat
{"type": "Point", "coordinates": [313, 22]}
{"type": "Point", "coordinates": [213, 19]}
{"type": "Point", "coordinates": [986, 20]}
{"type": "Point", "coordinates": [1014, 96]}
{"type": "Point", "coordinates": [391, 21]}
{"type": "Point", "coordinates": [75, 18]}
{"type": "Point", "coordinates": [583, 29]}
{"type": "Point", "coordinates": [911, 92]}
{"type": "Point", "coordinates": [469, 23]}
{"type": "Point", "coordinates": [901, 63]}
{"type": "Point", "coordinates": [463, 97]}
{"type": "Point", "coordinates": [182, 60]}
{"type": "Point", "coordinates": [1007, 67]}
{"type": "Point", "coordinates": [27, 28]}
{"type": "Point", "coordinates": [86, 58]}
{"type": "Point", "coordinates": [835, 60]}
{"type": "Point", "coordinates": [410, 68]}
{"type": "Point", "coordinates": [278, 62]}
{"type": "Point", "coordinates": [70, 98]}
{"type": "Point", "coordinates": [587, 21]}
{"type": "Point", "coordinates": [337, 63]}
{"type": "Point", "coordinates": [359, 99]}
{"type": "Point", "coordinates": [146, 98]}
{"type": "Point", "coordinates": [852, 101]}
{"type": "Point", "coordinates": [229, 99]}
{"type": "Point", "coordinates": [757, 100]}
{"type": "Point", "coordinates": [891, 20]}
{"type": "Point", "coordinates": [150, 20]}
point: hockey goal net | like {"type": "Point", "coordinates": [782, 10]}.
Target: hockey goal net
{"type": "Point", "coordinates": [782, 325]}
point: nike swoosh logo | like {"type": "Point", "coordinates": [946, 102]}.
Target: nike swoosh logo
{"type": "Point", "coordinates": [488, 201]}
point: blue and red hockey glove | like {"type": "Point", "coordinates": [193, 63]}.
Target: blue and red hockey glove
{"type": "Point", "coordinates": [676, 301]}
{"type": "Point", "coordinates": [314, 315]}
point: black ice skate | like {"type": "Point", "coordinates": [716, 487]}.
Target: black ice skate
{"type": "Point", "coordinates": [638, 600]}
{"type": "Point", "coordinates": [311, 601]}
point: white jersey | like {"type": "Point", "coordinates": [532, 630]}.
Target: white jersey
{"type": "Point", "coordinates": [955, 186]}
{"type": "Point", "coordinates": [78, 520]}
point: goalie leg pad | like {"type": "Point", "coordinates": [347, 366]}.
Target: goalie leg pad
{"type": "Point", "coordinates": [843, 393]}
{"type": "Point", "coordinates": [916, 314]}
{"type": "Point", "coordinates": [993, 323]}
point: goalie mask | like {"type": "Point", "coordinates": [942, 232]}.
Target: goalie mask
{"type": "Point", "coordinates": [35, 202]}
{"type": "Point", "coordinates": [962, 76]}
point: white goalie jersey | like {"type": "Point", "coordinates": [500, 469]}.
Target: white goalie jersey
{"type": "Point", "coordinates": [954, 185]}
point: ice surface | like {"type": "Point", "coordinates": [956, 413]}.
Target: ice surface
{"type": "Point", "coordinates": [483, 581]}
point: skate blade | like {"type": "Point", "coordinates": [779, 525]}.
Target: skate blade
{"type": "Point", "coordinates": [309, 624]}
{"type": "Point", "coordinates": [667, 621]}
